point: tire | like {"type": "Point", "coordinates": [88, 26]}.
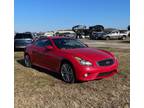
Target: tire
{"type": "Point", "coordinates": [27, 61]}
{"type": "Point", "coordinates": [67, 73]}
{"type": "Point", "coordinates": [107, 38]}
{"type": "Point", "coordinates": [123, 37]}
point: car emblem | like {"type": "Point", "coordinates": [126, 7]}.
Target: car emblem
{"type": "Point", "coordinates": [107, 62]}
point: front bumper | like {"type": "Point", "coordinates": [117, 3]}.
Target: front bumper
{"type": "Point", "coordinates": [98, 72]}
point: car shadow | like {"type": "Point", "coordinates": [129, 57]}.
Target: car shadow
{"type": "Point", "coordinates": [53, 74]}
{"type": "Point", "coordinates": [42, 70]}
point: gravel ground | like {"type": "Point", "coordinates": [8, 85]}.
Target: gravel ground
{"type": "Point", "coordinates": [39, 88]}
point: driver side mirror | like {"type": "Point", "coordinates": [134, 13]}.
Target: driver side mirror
{"type": "Point", "coordinates": [49, 47]}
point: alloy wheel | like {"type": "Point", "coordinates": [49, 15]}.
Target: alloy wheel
{"type": "Point", "coordinates": [27, 61]}
{"type": "Point", "coordinates": [123, 38]}
{"type": "Point", "coordinates": [107, 38]}
{"type": "Point", "coordinates": [67, 73]}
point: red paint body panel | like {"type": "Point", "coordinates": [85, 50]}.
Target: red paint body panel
{"type": "Point", "coordinates": [51, 59]}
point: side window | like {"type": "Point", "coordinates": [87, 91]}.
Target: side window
{"type": "Point", "coordinates": [47, 43]}
{"type": "Point", "coordinates": [42, 43]}
{"type": "Point", "coordinates": [39, 43]}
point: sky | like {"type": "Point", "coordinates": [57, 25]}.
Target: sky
{"type": "Point", "coordinates": [47, 15]}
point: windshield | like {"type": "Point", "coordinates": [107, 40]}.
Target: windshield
{"type": "Point", "coordinates": [68, 43]}
{"type": "Point", "coordinates": [123, 31]}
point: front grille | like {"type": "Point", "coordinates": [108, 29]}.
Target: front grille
{"type": "Point", "coordinates": [104, 74]}
{"type": "Point", "coordinates": [106, 62]}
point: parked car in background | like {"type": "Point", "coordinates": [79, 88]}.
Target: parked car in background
{"type": "Point", "coordinates": [71, 58]}
{"type": "Point", "coordinates": [116, 34]}
{"type": "Point", "coordinates": [21, 40]}
{"type": "Point", "coordinates": [97, 35]}
{"type": "Point", "coordinates": [49, 33]}
{"type": "Point", "coordinates": [65, 33]}
{"type": "Point", "coordinates": [35, 35]}
{"type": "Point", "coordinates": [72, 35]}
{"type": "Point", "coordinates": [80, 31]}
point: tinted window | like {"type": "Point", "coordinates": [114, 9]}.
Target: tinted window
{"type": "Point", "coordinates": [112, 32]}
{"type": "Point", "coordinates": [47, 43]}
{"type": "Point", "coordinates": [18, 36]}
{"type": "Point", "coordinates": [123, 31]}
{"type": "Point", "coordinates": [27, 36]}
{"type": "Point", "coordinates": [68, 43]}
{"type": "Point", "coordinates": [23, 36]}
{"type": "Point", "coordinates": [42, 43]}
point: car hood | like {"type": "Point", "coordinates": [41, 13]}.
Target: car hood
{"type": "Point", "coordinates": [89, 53]}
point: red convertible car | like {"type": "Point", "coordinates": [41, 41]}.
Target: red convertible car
{"type": "Point", "coordinates": [71, 58]}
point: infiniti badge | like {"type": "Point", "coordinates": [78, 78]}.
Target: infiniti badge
{"type": "Point", "coordinates": [107, 62]}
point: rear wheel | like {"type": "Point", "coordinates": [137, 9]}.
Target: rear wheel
{"type": "Point", "coordinates": [107, 38]}
{"type": "Point", "coordinates": [27, 61]}
{"type": "Point", "coordinates": [123, 37]}
{"type": "Point", "coordinates": [67, 73]}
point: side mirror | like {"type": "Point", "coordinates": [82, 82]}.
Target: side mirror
{"type": "Point", "coordinates": [49, 47]}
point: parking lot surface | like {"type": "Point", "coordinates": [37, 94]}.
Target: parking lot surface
{"type": "Point", "coordinates": [123, 44]}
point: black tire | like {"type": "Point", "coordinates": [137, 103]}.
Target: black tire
{"type": "Point", "coordinates": [27, 61]}
{"type": "Point", "coordinates": [67, 73]}
{"type": "Point", "coordinates": [107, 38]}
{"type": "Point", "coordinates": [123, 37]}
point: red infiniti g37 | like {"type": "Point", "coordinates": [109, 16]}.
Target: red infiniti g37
{"type": "Point", "coordinates": [71, 58]}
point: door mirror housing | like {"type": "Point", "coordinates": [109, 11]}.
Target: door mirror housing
{"type": "Point", "coordinates": [49, 47]}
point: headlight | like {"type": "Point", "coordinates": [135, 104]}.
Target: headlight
{"type": "Point", "coordinates": [83, 62]}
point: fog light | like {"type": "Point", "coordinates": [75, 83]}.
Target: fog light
{"type": "Point", "coordinates": [85, 75]}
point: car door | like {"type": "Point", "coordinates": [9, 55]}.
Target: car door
{"type": "Point", "coordinates": [117, 35]}
{"type": "Point", "coordinates": [114, 34]}
{"type": "Point", "coordinates": [50, 58]}
{"type": "Point", "coordinates": [37, 52]}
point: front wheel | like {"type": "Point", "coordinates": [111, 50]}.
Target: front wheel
{"type": "Point", "coordinates": [67, 73]}
{"type": "Point", "coordinates": [124, 38]}
{"type": "Point", "coordinates": [107, 38]}
{"type": "Point", "coordinates": [27, 61]}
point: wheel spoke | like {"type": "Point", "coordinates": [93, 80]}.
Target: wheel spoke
{"type": "Point", "coordinates": [67, 72]}
{"type": "Point", "coordinates": [27, 61]}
